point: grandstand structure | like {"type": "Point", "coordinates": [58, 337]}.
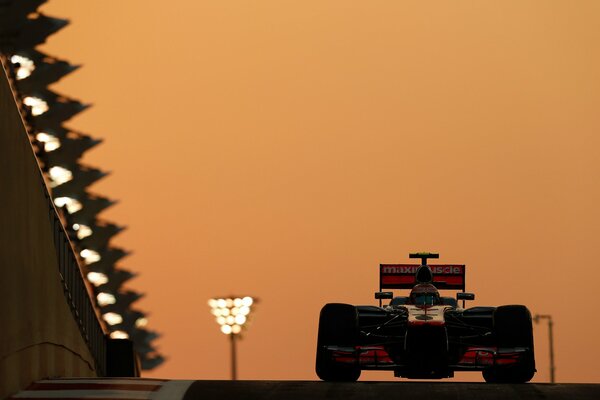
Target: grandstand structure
{"type": "Point", "coordinates": [82, 239]}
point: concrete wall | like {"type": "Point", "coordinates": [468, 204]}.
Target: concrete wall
{"type": "Point", "coordinates": [39, 337]}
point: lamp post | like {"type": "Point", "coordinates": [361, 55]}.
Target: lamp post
{"type": "Point", "coordinates": [537, 319]}
{"type": "Point", "coordinates": [232, 314]}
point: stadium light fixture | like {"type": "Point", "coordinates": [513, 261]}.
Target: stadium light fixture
{"type": "Point", "coordinates": [90, 256]}
{"type": "Point", "coordinates": [232, 314]}
{"type": "Point", "coordinates": [119, 335]}
{"type": "Point", "coordinates": [50, 142]}
{"type": "Point", "coordinates": [141, 322]}
{"type": "Point", "coordinates": [105, 299]}
{"type": "Point", "coordinates": [59, 175]}
{"type": "Point", "coordinates": [112, 318]}
{"type": "Point", "coordinates": [70, 203]}
{"type": "Point", "coordinates": [82, 230]}
{"type": "Point", "coordinates": [97, 278]}
{"type": "Point", "coordinates": [537, 318]}
{"type": "Point", "coordinates": [24, 66]}
{"type": "Point", "coordinates": [37, 105]}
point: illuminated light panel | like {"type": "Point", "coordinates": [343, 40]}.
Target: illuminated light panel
{"type": "Point", "coordinates": [112, 318]}
{"type": "Point", "coordinates": [231, 313]}
{"type": "Point", "coordinates": [72, 205]}
{"type": "Point", "coordinates": [119, 335]}
{"type": "Point", "coordinates": [83, 231]}
{"type": "Point", "coordinates": [105, 299]}
{"type": "Point", "coordinates": [141, 322]}
{"type": "Point", "coordinates": [59, 175]}
{"type": "Point", "coordinates": [97, 278]}
{"type": "Point", "coordinates": [90, 256]}
{"type": "Point", "coordinates": [26, 66]}
{"type": "Point", "coordinates": [38, 106]}
{"type": "Point", "coordinates": [50, 142]}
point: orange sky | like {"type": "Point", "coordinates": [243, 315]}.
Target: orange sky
{"type": "Point", "coordinates": [284, 149]}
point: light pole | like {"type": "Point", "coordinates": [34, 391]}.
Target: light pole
{"type": "Point", "coordinates": [232, 314]}
{"type": "Point", "coordinates": [233, 357]}
{"type": "Point", "coordinates": [537, 319]}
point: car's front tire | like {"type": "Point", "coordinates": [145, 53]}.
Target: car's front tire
{"type": "Point", "coordinates": [513, 328]}
{"type": "Point", "coordinates": [338, 326]}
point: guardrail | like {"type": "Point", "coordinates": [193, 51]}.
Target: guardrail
{"type": "Point", "coordinates": [76, 292]}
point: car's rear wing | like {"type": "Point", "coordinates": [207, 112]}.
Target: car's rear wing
{"type": "Point", "coordinates": [402, 276]}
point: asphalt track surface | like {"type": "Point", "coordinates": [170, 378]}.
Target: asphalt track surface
{"type": "Point", "coordinates": [303, 390]}
{"type": "Point", "coordinates": [165, 389]}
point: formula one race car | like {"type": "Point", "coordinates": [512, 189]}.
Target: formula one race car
{"type": "Point", "coordinates": [424, 335]}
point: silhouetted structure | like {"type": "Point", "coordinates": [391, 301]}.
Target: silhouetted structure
{"type": "Point", "coordinates": [59, 151]}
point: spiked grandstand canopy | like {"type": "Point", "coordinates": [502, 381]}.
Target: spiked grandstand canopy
{"type": "Point", "coordinates": [59, 150]}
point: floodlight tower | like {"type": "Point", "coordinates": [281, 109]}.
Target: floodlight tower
{"type": "Point", "coordinates": [232, 314]}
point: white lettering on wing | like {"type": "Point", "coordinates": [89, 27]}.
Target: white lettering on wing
{"type": "Point", "coordinates": [399, 269]}
{"type": "Point", "coordinates": [412, 269]}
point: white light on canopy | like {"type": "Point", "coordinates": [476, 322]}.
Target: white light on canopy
{"type": "Point", "coordinates": [119, 335]}
{"type": "Point", "coordinates": [97, 278]}
{"type": "Point", "coordinates": [71, 204]}
{"type": "Point", "coordinates": [51, 142]}
{"type": "Point", "coordinates": [59, 175]}
{"type": "Point", "coordinates": [112, 318]}
{"type": "Point", "coordinates": [83, 231]}
{"type": "Point", "coordinates": [231, 313]}
{"type": "Point", "coordinates": [89, 256]}
{"type": "Point", "coordinates": [25, 68]}
{"type": "Point", "coordinates": [105, 299]}
{"type": "Point", "coordinates": [38, 106]}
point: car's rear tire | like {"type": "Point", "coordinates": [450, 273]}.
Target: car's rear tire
{"type": "Point", "coordinates": [338, 326]}
{"type": "Point", "coordinates": [513, 328]}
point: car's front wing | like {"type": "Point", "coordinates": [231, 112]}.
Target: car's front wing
{"type": "Point", "coordinates": [473, 359]}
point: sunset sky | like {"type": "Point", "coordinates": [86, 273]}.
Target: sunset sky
{"type": "Point", "coordinates": [283, 149]}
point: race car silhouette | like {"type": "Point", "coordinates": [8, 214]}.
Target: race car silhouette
{"type": "Point", "coordinates": [425, 335]}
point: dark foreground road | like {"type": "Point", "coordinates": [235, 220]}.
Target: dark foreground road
{"type": "Point", "coordinates": [301, 390]}
{"type": "Point", "coordinates": [159, 389]}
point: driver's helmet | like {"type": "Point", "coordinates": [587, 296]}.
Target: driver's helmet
{"type": "Point", "coordinates": [424, 294]}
